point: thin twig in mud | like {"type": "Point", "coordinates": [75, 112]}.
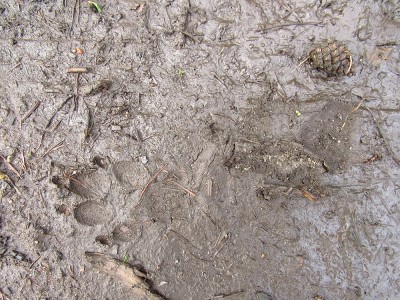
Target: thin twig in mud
{"type": "Point", "coordinates": [185, 239]}
{"type": "Point", "coordinates": [77, 70]}
{"type": "Point", "coordinates": [209, 187]}
{"type": "Point", "coordinates": [388, 148]}
{"type": "Point", "coordinates": [57, 146]}
{"type": "Point", "coordinates": [76, 92]}
{"type": "Point", "coordinates": [308, 195]}
{"type": "Point", "coordinates": [79, 9]}
{"type": "Point", "coordinates": [16, 66]}
{"type": "Point", "coordinates": [250, 141]}
{"type": "Point", "coordinates": [221, 241]}
{"type": "Point", "coordinates": [76, 11]}
{"type": "Point", "coordinates": [29, 112]}
{"type": "Point", "coordinates": [220, 80]}
{"type": "Point", "coordinates": [287, 25]}
{"type": "Point", "coordinates": [191, 193]}
{"type": "Point", "coordinates": [351, 62]}
{"type": "Point", "coordinates": [225, 295]}
{"type": "Point", "coordinates": [36, 260]}
{"type": "Point", "coordinates": [353, 111]}
{"type": "Point", "coordinates": [300, 64]}
{"type": "Point", "coordinates": [73, 17]}
{"type": "Point", "coordinates": [190, 35]}
{"type": "Point", "coordinates": [55, 113]}
{"type": "Point", "coordinates": [10, 182]}
{"type": "Point", "coordinates": [358, 106]}
{"type": "Point", "coordinates": [151, 180]}
{"type": "Point", "coordinates": [10, 166]}
{"type": "Point", "coordinates": [23, 160]}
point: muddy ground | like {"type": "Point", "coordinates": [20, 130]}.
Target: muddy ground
{"type": "Point", "coordinates": [198, 148]}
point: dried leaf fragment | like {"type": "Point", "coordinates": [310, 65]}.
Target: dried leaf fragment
{"type": "Point", "coordinates": [123, 272]}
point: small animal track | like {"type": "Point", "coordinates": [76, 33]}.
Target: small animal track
{"type": "Point", "coordinates": [126, 232]}
{"type": "Point", "coordinates": [130, 175]}
{"type": "Point", "coordinates": [96, 186]}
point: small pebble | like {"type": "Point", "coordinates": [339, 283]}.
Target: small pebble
{"type": "Point", "coordinates": [143, 159]}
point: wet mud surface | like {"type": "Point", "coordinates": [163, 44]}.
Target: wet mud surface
{"type": "Point", "coordinates": [200, 145]}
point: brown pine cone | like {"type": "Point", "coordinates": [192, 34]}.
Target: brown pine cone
{"type": "Point", "coordinates": [333, 58]}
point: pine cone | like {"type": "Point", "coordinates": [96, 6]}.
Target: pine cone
{"type": "Point", "coordinates": [333, 58]}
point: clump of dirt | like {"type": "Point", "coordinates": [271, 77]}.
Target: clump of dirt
{"type": "Point", "coordinates": [283, 162]}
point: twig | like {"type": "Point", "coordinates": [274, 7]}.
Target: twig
{"type": "Point", "coordinates": [73, 17]}
{"type": "Point", "coordinates": [351, 62]}
{"type": "Point", "coordinates": [209, 187]}
{"type": "Point", "coordinates": [23, 160]}
{"type": "Point", "coordinates": [76, 92]}
{"type": "Point", "coordinates": [36, 260]}
{"type": "Point", "coordinates": [29, 112]}
{"type": "Point", "coordinates": [308, 195]}
{"type": "Point", "coordinates": [183, 188]}
{"type": "Point", "coordinates": [151, 180]}
{"type": "Point", "coordinates": [9, 181]}
{"type": "Point", "coordinates": [220, 80]}
{"type": "Point", "coordinates": [220, 296]}
{"type": "Point", "coordinates": [302, 62]}
{"type": "Point", "coordinates": [287, 25]}
{"type": "Point", "coordinates": [10, 166]}
{"type": "Point", "coordinates": [221, 242]}
{"type": "Point", "coordinates": [58, 146]}
{"type": "Point", "coordinates": [16, 66]}
{"type": "Point", "coordinates": [77, 70]}
{"type": "Point", "coordinates": [79, 9]}
{"type": "Point", "coordinates": [353, 111]}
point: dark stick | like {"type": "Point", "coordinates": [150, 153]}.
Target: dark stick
{"type": "Point", "coordinates": [29, 112]}
{"type": "Point", "coordinates": [151, 180]}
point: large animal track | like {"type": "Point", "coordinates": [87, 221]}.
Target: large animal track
{"type": "Point", "coordinates": [100, 190]}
